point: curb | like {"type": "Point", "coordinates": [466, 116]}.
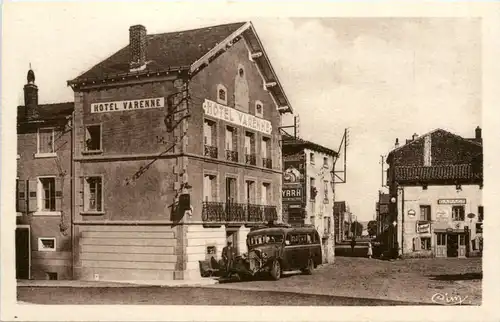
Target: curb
{"type": "Point", "coordinates": [116, 284]}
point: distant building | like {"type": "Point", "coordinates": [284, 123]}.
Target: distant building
{"type": "Point", "coordinates": [435, 183]}
{"type": "Point", "coordinates": [43, 187]}
{"type": "Point", "coordinates": [382, 210]}
{"type": "Point", "coordinates": [308, 195]}
{"type": "Point", "coordinates": [339, 220]}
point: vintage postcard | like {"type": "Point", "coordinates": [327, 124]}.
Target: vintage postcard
{"type": "Point", "coordinates": [249, 161]}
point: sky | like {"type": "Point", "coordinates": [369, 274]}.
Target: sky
{"type": "Point", "coordinates": [383, 78]}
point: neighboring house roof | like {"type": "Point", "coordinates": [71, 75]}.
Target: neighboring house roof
{"type": "Point", "coordinates": [47, 112]}
{"type": "Point", "coordinates": [188, 50]}
{"type": "Point", "coordinates": [298, 143]}
{"type": "Point", "coordinates": [439, 172]}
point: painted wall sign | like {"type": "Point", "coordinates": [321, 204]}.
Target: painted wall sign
{"type": "Point", "coordinates": [236, 117]}
{"type": "Point", "coordinates": [442, 216]}
{"type": "Point", "coordinates": [457, 201]}
{"type": "Point", "coordinates": [423, 228]}
{"type": "Point", "coordinates": [131, 105]}
{"type": "Point", "coordinates": [411, 213]}
{"type": "Point", "coordinates": [293, 193]}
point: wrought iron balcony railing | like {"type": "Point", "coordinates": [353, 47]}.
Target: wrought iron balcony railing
{"type": "Point", "coordinates": [211, 151]}
{"type": "Point", "coordinates": [250, 159]}
{"type": "Point", "coordinates": [232, 155]}
{"type": "Point", "coordinates": [267, 163]}
{"type": "Point", "coordinates": [216, 212]}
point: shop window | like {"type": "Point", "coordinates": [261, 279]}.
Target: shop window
{"type": "Point", "coordinates": [259, 109]}
{"type": "Point", "coordinates": [425, 243]}
{"type": "Point", "coordinates": [441, 239]}
{"type": "Point", "coordinates": [46, 244]}
{"type": "Point", "coordinates": [425, 213]}
{"type": "Point", "coordinates": [93, 194]}
{"type": "Point", "coordinates": [93, 138]}
{"type": "Point", "coordinates": [221, 94]}
{"type": "Point", "coordinates": [458, 213]}
{"type": "Point", "coordinates": [45, 140]}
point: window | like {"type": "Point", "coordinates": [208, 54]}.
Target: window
{"type": "Point", "coordinates": [266, 193]}
{"type": "Point", "coordinates": [313, 221]}
{"type": "Point", "coordinates": [210, 139]}
{"type": "Point", "coordinates": [209, 188]}
{"type": "Point", "coordinates": [461, 240]}
{"type": "Point", "coordinates": [425, 243]}
{"type": "Point", "coordinates": [221, 94]}
{"type": "Point", "coordinates": [312, 185]}
{"type": "Point", "coordinates": [46, 141]}
{"type": "Point", "coordinates": [250, 191]}
{"type": "Point", "coordinates": [20, 196]}
{"type": "Point", "coordinates": [231, 190]}
{"type": "Point", "coordinates": [241, 72]}
{"type": "Point", "coordinates": [327, 224]}
{"type": "Point", "coordinates": [93, 194]}
{"type": "Point", "coordinates": [325, 190]}
{"type": "Point", "coordinates": [325, 162]}
{"type": "Point", "coordinates": [259, 109]}
{"type": "Point", "coordinates": [231, 144]}
{"type": "Point", "coordinates": [46, 244]}
{"type": "Point", "coordinates": [480, 213]}
{"type": "Point", "coordinates": [93, 138]}
{"type": "Point", "coordinates": [47, 194]}
{"type": "Point", "coordinates": [425, 213]}
{"type": "Point", "coordinates": [458, 213]}
{"type": "Point", "coordinates": [266, 153]}
{"type": "Point", "coordinates": [250, 148]}
{"type": "Point", "coordinates": [441, 239]}
{"type": "Point", "coordinates": [311, 158]}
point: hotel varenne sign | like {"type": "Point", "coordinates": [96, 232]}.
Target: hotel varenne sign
{"type": "Point", "coordinates": [236, 117]}
{"type": "Point", "coordinates": [131, 105]}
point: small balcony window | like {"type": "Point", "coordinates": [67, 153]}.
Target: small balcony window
{"type": "Point", "coordinates": [93, 138]}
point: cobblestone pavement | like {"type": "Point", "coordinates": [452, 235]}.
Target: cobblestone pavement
{"type": "Point", "coordinates": [413, 280]}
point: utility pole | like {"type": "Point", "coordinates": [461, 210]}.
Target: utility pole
{"type": "Point", "coordinates": [382, 170]}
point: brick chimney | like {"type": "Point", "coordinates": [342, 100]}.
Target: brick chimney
{"type": "Point", "coordinates": [30, 97]}
{"type": "Point", "coordinates": [478, 134]}
{"type": "Point", "coordinates": [396, 144]}
{"type": "Point", "coordinates": [414, 136]}
{"type": "Point", "coordinates": [138, 47]}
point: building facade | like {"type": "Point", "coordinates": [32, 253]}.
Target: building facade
{"type": "Point", "coordinates": [308, 195]}
{"type": "Point", "coordinates": [339, 220]}
{"type": "Point", "coordinates": [176, 152]}
{"type": "Point", "coordinates": [435, 183]}
{"type": "Point", "coordinates": [43, 187]}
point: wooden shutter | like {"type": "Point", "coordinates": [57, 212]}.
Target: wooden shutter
{"type": "Point", "coordinates": [32, 195]}
{"type": "Point", "coordinates": [21, 196]}
{"type": "Point", "coordinates": [58, 193]}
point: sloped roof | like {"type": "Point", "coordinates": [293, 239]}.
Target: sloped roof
{"type": "Point", "coordinates": [290, 141]}
{"type": "Point", "coordinates": [438, 172]}
{"type": "Point", "coordinates": [47, 112]}
{"type": "Point", "coordinates": [166, 50]}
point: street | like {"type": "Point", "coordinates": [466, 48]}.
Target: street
{"type": "Point", "coordinates": [349, 281]}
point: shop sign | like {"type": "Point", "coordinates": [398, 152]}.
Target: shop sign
{"type": "Point", "coordinates": [424, 228]}
{"type": "Point", "coordinates": [130, 105]}
{"type": "Point", "coordinates": [292, 193]}
{"type": "Point", "coordinates": [456, 201]}
{"type": "Point", "coordinates": [295, 206]}
{"type": "Point", "coordinates": [236, 117]}
{"type": "Point", "coordinates": [411, 213]}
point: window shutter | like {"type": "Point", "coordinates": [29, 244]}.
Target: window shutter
{"type": "Point", "coordinates": [32, 195]}
{"type": "Point", "coordinates": [58, 193]}
{"type": "Point", "coordinates": [21, 196]}
{"type": "Point", "coordinates": [81, 199]}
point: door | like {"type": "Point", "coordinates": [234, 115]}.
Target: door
{"type": "Point", "coordinates": [23, 253]}
{"type": "Point", "coordinates": [440, 250]}
{"type": "Point", "coordinates": [461, 245]}
{"type": "Point", "coordinates": [452, 245]}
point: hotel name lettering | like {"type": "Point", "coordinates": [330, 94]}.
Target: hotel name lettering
{"type": "Point", "coordinates": [236, 117]}
{"type": "Point", "coordinates": [131, 105]}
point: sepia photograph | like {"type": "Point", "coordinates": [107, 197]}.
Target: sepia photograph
{"type": "Point", "coordinates": [164, 157]}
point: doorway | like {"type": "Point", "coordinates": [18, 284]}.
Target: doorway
{"type": "Point", "coordinates": [232, 236]}
{"type": "Point", "coordinates": [23, 252]}
{"type": "Point", "coordinates": [452, 245]}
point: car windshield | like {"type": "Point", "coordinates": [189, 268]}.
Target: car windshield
{"type": "Point", "coordinates": [264, 239]}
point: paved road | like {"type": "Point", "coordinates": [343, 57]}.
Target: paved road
{"type": "Point", "coordinates": [185, 296]}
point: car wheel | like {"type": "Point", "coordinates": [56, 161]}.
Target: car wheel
{"type": "Point", "coordinates": [276, 270]}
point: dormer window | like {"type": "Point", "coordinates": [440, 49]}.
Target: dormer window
{"type": "Point", "coordinates": [259, 109]}
{"type": "Point", "coordinates": [221, 94]}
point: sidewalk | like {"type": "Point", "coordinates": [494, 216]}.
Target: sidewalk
{"type": "Point", "coordinates": [127, 283]}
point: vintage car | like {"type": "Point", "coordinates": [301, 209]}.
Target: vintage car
{"type": "Point", "coordinates": [276, 248]}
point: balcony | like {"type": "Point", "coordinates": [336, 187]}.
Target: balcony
{"type": "Point", "coordinates": [250, 159]}
{"type": "Point", "coordinates": [232, 155]}
{"type": "Point", "coordinates": [211, 151]}
{"type": "Point", "coordinates": [220, 212]}
{"type": "Point", "coordinates": [267, 163]}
